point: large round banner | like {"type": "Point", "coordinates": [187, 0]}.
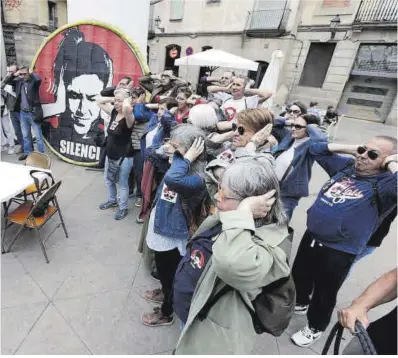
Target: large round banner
{"type": "Point", "coordinates": [75, 64]}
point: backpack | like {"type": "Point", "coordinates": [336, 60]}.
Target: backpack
{"type": "Point", "coordinates": [273, 307]}
{"type": "Point", "coordinates": [190, 268]}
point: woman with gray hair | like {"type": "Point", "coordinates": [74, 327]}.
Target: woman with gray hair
{"type": "Point", "coordinates": [179, 207]}
{"type": "Point", "coordinates": [249, 242]}
{"type": "Point", "coordinates": [119, 149]}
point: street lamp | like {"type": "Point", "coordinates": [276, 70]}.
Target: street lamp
{"type": "Point", "coordinates": [334, 23]}
{"type": "Point", "coordinates": [158, 21]}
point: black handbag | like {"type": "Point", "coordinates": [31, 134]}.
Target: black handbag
{"type": "Point", "coordinates": [42, 208]}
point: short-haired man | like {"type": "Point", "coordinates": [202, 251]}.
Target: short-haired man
{"type": "Point", "coordinates": [164, 84]}
{"type": "Point", "coordinates": [27, 86]}
{"type": "Point", "coordinates": [125, 82]}
{"type": "Point", "coordinates": [236, 97]}
{"type": "Point", "coordinates": [340, 223]}
{"type": "Point", "coordinates": [8, 93]}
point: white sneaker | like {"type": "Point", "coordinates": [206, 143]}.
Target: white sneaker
{"type": "Point", "coordinates": [11, 150]}
{"type": "Point", "coordinates": [301, 309]}
{"type": "Point", "coordinates": [306, 336]}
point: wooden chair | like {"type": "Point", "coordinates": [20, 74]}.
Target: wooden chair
{"type": "Point", "coordinates": [23, 215]}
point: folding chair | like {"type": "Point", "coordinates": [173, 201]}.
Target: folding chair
{"type": "Point", "coordinates": [23, 215]}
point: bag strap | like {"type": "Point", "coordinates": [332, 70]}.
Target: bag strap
{"type": "Point", "coordinates": [213, 300]}
{"type": "Point", "coordinates": [361, 333]}
{"type": "Point", "coordinates": [36, 180]}
{"type": "Point", "coordinates": [286, 172]}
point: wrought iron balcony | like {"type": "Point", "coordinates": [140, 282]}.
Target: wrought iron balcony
{"type": "Point", "coordinates": [377, 12]}
{"type": "Point", "coordinates": [267, 22]}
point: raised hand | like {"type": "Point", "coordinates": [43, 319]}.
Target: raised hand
{"type": "Point", "coordinates": [196, 149]}
{"type": "Point", "coordinates": [262, 135]}
{"type": "Point", "coordinates": [260, 205]}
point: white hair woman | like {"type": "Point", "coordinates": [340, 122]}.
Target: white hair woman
{"type": "Point", "coordinates": [247, 233]}
{"type": "Point", "coordinates": [119, 149]}
{"type": "Point", "coordinates": [177, 212]}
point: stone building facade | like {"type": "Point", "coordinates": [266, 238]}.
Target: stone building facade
{"type": "Point", "coordinates": [352, 68]}
{"type": "Point", "coordinates": [26, 23]}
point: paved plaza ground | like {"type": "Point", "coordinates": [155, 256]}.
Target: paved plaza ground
{"type": "Point", "coordinates": [87, 299]}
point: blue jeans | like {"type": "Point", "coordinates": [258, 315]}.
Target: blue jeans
{"type": "Point", "coordinates": [27, 122]}
{"type": "Point", "coordinates": [17, 127]}
{"type": "Point", "coordinates": [124, 173]}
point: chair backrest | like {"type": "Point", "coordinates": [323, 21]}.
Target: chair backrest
{"type": "Point", "coordinates": [38, 160]}
{"type": "Point", "coordinates": [47, 195]}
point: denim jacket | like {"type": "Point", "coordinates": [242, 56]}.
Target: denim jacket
{"type": "Point", "coordinates": [174, 219]}
{"type": "Point", "coordinates": [167, 122]}
{"type": "Point", "coordinates": [296, 183]}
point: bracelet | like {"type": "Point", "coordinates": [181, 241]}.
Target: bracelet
{"type": "Point", "coordinates": [388, 163]}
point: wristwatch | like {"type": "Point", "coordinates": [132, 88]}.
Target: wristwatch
{"type": "Point", "coordinates": [388, 163]}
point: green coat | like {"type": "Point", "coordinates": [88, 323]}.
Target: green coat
{"type": "Point", "coordinates": [246, 258]}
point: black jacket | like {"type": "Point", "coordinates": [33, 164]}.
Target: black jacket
{"type": "Point", "coordinates": [34, 82]}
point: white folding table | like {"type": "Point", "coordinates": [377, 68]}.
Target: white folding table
{"type": "Point", "coordinates": [14, 179]}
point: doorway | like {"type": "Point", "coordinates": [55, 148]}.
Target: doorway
{"type": "Point", "coordinates": [173, 52]}
{"type": "Point", "coordinates": [257, 76]}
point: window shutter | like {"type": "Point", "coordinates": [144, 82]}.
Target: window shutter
{"type": "Point", "coordinates": [176, 9]}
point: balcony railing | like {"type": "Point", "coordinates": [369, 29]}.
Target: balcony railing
{"type": "Point", "coordinates": [267, 21]}
{"type": "Point", "coordinates": [377, 12]}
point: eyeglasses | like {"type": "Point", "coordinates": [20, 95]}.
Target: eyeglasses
{"type": "Point", "coordinates": [372, 154]}
{"type": "Point", "coordinates": [241, 130]}
{"type": "Point", "coordinates": [294, 111]}
{"type": "Point", "coordinates": [296, 126]}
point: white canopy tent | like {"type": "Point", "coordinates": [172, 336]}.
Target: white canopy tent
{"type": "Point", "coordinates": [217, 58]}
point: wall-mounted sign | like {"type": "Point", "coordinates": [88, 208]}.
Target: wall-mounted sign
{"type": "Point", "coordinates": [173, 53]}
{"type": "Point", "coordinates": [75, 64]}
{"type": "Point", "coordinates": [189, 51]}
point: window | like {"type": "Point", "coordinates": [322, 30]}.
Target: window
{"type": "Point", "coordinates": [51, 11]}
{"type": "Point", "coordinates": [176, 9]}
{"type": "Point", "coordinates": [317, 64]}
{"type": "Point", "coordinates": [364, 102]}
{"type": "Point", "coordinates": [52, 16]}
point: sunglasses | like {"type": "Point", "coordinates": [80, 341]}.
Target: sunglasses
{"type": "Point", "coordinates": [372, 154]}
{"type": "Point", "coordinates": [296, 126]}
{"type": "Point", "coordinates": [295, 111]}
{"type": "Point", "coordinates": [241, 130]}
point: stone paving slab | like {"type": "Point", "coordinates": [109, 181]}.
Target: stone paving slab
{"type": "Point", "coordinates": [87, 300]}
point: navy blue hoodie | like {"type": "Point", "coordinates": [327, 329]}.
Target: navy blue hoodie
{"type": "Point", "coordinates": [346, 211]}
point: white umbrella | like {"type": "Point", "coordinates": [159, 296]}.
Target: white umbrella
{"type": "Point", "coordinates": [217, 58]}
{"type": "Point", "coordinates": [270, 79]}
